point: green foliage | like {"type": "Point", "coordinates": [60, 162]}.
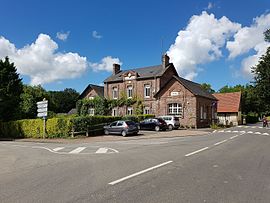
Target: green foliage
{"type": "Point", "coordinates": [138, 118]}
{"type": "Point", "coordinates": [58, 127]}
{"type": "Point", "coordinates": [29, 98]}
{"type": "Point", "coordinates": [99, 104]}
{"type": "Point", "coordinates": [251, 118]}
{"type": "Point", "coordinates": [267, 35]}
{"type": "Point", "coordinates": [10, 90]}
{"type": "Point", "coordinates": [208, 88]}
{"type": "Point", "coordinates": [228, 89]}
{"type": "Point", "coordinates": [262, 81]}
{"type": "Point", "coordinates": [62, 101]}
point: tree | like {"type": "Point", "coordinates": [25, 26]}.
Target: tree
{"type": "Point", "coordinates": [10, 90]}
{"type": "Point", "coordinates": [62, 101]}
{"type": "Point", "coordinates": [267, 35]}
{"type": "Point", "coordinates": [30, 96]}
{"type": "Point", "coordinates": [228, 89]}
{"type": "Point", "coordinates": [262, 81]}
{"type": "Point", "coordinates": [208, 88]}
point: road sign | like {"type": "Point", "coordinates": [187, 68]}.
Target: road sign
{"type": "Point", "coordinates": [41, 110]}
{"type": "Point", "coordinates": [42, 114]}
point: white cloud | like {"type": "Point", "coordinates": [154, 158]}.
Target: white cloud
{"type": "Point", "coordinates": [62, 36]}
{"type": "Point", "coordinates": [41, 62]}
{"type": "Point", "coordinates": [96, 35]}
{"type": "Point", "coordinates": [200, 42]}
{"type": "Point", "coordinates": [210, 5]}
{"type": "Point", "coordinates": [250, 38]}
{"type": "Point", "coordinates": [106, 64]}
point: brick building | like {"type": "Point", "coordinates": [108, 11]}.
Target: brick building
{"type": "Point", "coordinates": [163, 92]}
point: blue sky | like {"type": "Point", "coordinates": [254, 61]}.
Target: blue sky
{"type": "Point", "coordinates": [69, 44]}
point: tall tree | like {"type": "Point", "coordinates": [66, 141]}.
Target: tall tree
{"type": "Point", "coordinates": [262, 81]}
{"type": "Point", "coordinates": [267, 35]}
{"type": "Point", "coordinates": [208, 88]}
{"type": "Point", "coordinates": [30, 96]}
{"type": "Point", "coordinates": [10, 90]}
{"type": "Point", "coordinates": [63, 101]}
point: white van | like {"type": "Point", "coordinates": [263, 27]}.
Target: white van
{"type": "Point", "coordinates": [172, 121]}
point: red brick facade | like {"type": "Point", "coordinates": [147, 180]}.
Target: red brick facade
{"type": "Point", "coordinates": [168, 94]}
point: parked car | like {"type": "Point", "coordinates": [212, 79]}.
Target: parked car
{"type": "Point", "coordinates": [156, 124]}
{"type": "Point", "coordinates": [123, 128]}
{"type": "Point", "coordinates": [172, 121]}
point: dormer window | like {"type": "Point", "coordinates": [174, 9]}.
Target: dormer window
{"type": "Point", "coordinates": [115, 93]}
{"type": "Point", "coordinates": [129, 91]}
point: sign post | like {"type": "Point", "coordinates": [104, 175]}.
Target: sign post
{"type": "Point", "coordinates": [42, 110]}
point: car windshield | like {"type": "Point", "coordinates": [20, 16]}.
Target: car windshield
{"type": "Point", "coordinates": [176, 118]}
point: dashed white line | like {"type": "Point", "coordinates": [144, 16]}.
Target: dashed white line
{"type": "Point", "coordinates": [221, 131]}
{"type": "Point", "coordinates": [249, 132]}
{"type": "Point", "coordinates": [253, 127]}
{"type": "Point", "coordinates": [228, 131]}
{"type": "Point", "coordinates": [195, 152]}
{"type": "Point", "coordinates": [77, 150]}
{"type": "Point", "coordinates": [139, 173]}
{"type": "Point", "coordinates": [234, 137]}
{"type": "Point", "coordinates": [265, 133]}
{"type": "Point", "coordinates": [257, 133]}
{"type": "Point", "coordinates": [58, 149]}
{"type": "Point", "coordinates": [235, 131]}
{"type": "Point", "coordinates": [218, 143]}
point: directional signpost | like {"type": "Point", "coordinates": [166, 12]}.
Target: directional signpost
{"type": "Point", "coordinates": [42, 110]}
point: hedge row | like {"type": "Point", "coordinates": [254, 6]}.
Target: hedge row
{"type": "Point", "coordinates": [60, 127]}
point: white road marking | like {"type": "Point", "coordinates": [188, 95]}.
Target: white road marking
{"type": "Point", "coordinates": [243, 131]}
{"type": "Point", "coordinates": [228, 131]}
{"type": "Point", "coordinates": [257, 133]}
{"type": "Point", "coordinates": [77, 150]}
{"type": "Point", "coordinates": [233, 137]}
{"type": "Point", "coordinates": [260, 127]}
{"type": "Point", "coordinates": [265, 133]}
{"type": "Point", "coordinates": [58, 149]}
{"type": "Point", "coordinates": [239, 126]}
{"type": "Point", "coordinates": [246, 127]}
{"type": "Point", "coordinates": [195, 152]}
{"type": "Point", "coordinates": [221, 131]}
{"type": "Point", "coordinates": [253, 127]}
{"type": "Point", "coordinates": [214, 131]}
{"type": "Point", "coordinates": [102, 151]}
{"type": "Point", "coordinates": [249, 132]}
{"type": "Point", "coordinates": [218, 143]}
{"type": "Point", "coordinates": [139, 173]}
{"type": "Point", "coordinates": [235, 131]}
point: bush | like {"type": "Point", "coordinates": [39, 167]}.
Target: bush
{"type": "Point", "coordinates": [252, 119]}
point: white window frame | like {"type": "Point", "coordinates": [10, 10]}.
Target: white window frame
{"type": "Point", "coordinates": [147, 89]}
{"type": "Point", "coordinates": [91, 111]}
{"type": "Point", "coordinates": [115, 93]}
{"type": "Point", "coordinates": [201, 112]}
{"type": "Point", "coordinates": [129, 91]}
{"type": "Point", "coordinates": [175, 109]}
{"type": "Point", "coordinates": [129, 110]}
{"type": "Point", "coordinates": [115, 112]}
{"type": "Point", "coordinates": [146, 110]}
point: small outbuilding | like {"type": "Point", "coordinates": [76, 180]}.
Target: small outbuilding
{"type": "Point", "coordinates": [229, 108]}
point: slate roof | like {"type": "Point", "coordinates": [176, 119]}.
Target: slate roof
{"type": "Point", "coordinates": [98, 89]}
{"type": "Point", "coordinates": [228, 102]}
{"type": "Point", "coordinates": [193, 87]}
{"type": "Point", "coordinates": [145, 72]}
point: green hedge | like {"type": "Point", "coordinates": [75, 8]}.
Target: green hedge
{"type": "Point", "coordinates": [252, 119]}
{"type": "Point", "coordinates": [61, 127]}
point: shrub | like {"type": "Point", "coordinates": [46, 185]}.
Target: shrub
{"type": "Point", "coordinates": [252, 119]}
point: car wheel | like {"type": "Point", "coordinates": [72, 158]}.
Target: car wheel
{"type": "Point", "coordinates": [124, 133]}
{"type": "Point", "coordinates": [157, 128]}
{"type": "Point", "coordinates": [170, 127]}
{"type": "Point", "coordinates": [106, 132]}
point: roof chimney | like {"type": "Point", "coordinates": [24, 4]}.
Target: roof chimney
{"type": "Point", "coordinates": [116, 68]}
{"type": "Point", "coordinates": [165, 60]}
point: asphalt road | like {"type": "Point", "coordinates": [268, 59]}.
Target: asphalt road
{"type": "Point", "coordinates": [231, 165]}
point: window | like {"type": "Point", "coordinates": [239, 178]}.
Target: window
{"type": "Point", "coordinates": [129, 91]}
{"type": "Point", "coordinates": [114, 112]}
{"type": "Point", "coordinates": [113, 124]}
{"type": "Point", "coordinates": [146, 110]}
{"type": "Point", "coordinates": [201, 112]}
{"type": "Point", "coordinates": [91, 111]}
{"type": "Point", "coordinates": [129, 110]}
{"type": "Point", "coordinates": [175, 109]}
{"type": "Point", "coordinates": [120, 123]}
{"type": "Point", "coordinates": [147, 91]}
{"type": "Point", "coordinates": [115, 93]}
